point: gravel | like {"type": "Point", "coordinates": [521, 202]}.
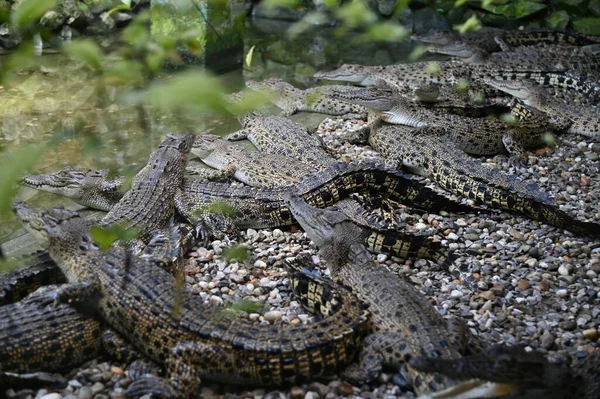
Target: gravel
{"type": "Point", "coordinates": [516, 281]}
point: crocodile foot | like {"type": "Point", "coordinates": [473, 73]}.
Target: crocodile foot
{"type": "Point", "coordinates": [152, 385]}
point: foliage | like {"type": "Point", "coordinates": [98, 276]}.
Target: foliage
{"type": "Point", "coordinates": [107, 236]}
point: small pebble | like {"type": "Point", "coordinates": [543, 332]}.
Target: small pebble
{"type": "Point", "coordinates": [273, 316]}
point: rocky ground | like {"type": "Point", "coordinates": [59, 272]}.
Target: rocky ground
{"type": "Point", "coordinates": [516, 281]}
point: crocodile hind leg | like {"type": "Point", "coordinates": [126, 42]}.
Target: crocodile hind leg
{"type": "Point", "coordinates": [186, 363]}
{"type": "Point", "coordinates": [239, 135]}
{"type": "Point", "coordinates": [518, 154]}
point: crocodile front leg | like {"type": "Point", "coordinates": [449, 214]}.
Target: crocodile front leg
{"type": "Point", "coordinates": [239, 135]}
{"type": "Point", "coordinates": [212, 174]}
{"type": "Point", "coordinates": [518, 155]}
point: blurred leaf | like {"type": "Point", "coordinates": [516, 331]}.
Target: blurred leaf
{"type": "Point", "coordinates": [251, 100]}
{"type": "Point", "coordinates": [137, 33]}
{"type": "Point", "coordinates": [219, 207]}
{"type": "Point", "coordinates": [309, 20]}
{"type": "Point", "coordinates": [124, 72]}
{"type": "Point", "coordinates": [86, 51]}
{"type": "Point", "coordinates": [509, 118]}
{"type": "Point", "coordinates": [594, 7]}
{"type": "Point", "coordinates": [12, 166]}
{"type": "Point", "coordinates": [272, 4]}
{"type": "Point", "coordinates": [107, 236]}
{"type": "Point", "coordinates": [549, 139]}
{"type": "Point", "coordinates": [355, 14]}
{"type": "Point", "coordinates": [569, 2]}
{"type": "Point", "coordinates": [417, 52]}
{"type": "Point", "coordinates": [127, 3]}
{"type": "Point", "coordinates": [433, 68]}
{"type": "Point", "coordinates": [588, 26]}
{"type": "Point", "coordinates": [30, 11]}
{"type": "Point", "coordinates": [239, 252]}
{"type": "Point", "coordinates": [249, 56]}
{"type": "Point", "coordinates": [121, 7]}
{"type": "Point", "coordinates": [559, 19]}
{"type": "Point", "coordinates": [514, 9]}
{"type": "Point", "coordinates": [524, 8]}
{"type": "Point", "coordinates": [459, 3]}
{"type": "Point", "coordinates": [462, 85]}
{"type": "Point", "coordinates": [470, 24]}
{"type": "Point", "coordinates": [193, 89]}
{"type": "Point", "coordinates": [331, 3]}
{"type": "Point", "coordinates": [245, 305]}
{"type": "Point", "coordinates": [386, 32]}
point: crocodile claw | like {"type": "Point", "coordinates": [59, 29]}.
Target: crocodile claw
{"type": "Point", "coordinates": [154, 386]}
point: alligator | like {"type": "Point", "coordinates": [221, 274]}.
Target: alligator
{"type": "Point", "coordinates": [175, 328]}
{"type": "Point", "coordinates": [581, 119]}
{"type": "Point", "coordinates": [316, 99]}
{"type": "Point", "coordinates": [476, 136]}
{"type": "Point", "coordinates": [485, 38]}
{"type": "Point", "coordinates": [403, 323]}
{"type": "Point", "coordinates": [432, 157]}
{"type": "Point", "coordinates": [521, 373]}
{"type": "Point", "coordinates": [458, 74]}
{"type": "Point", "coordinates": [257, 169]}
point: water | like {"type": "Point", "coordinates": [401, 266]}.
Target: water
{"type": "Point", "coordinates": [59, 97]}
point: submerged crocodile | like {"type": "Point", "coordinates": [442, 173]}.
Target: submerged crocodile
{"type": "Point", "coordinates": [174, 328]}
{"type": "Point", "coordinates": [581, 119]}
{"type": "Point", "coordinates": [316, 99]}
{"type": "Point", "coordinates": [520, 373]}
{"type": "Point", "coordinates": [477, 136]}
{"type": "Point", "coordinates": [428, 156]}
{"type": "Point", "coordinates": [485, 38]}
{"type": "Point", "coordinates": [403, 323]}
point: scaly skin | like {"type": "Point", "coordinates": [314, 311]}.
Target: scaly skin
{"type": "Point", "coordinates": [454, 73]}
{"type": "Point", "coordinates": [282, 136]}
{"type": "Point", "coordinates": [173, 327]}
{"type": "Point", "coordinates": [256, 169]}
{"type": "Point", "coordinates": [528, 373]}
{"type": "Point", "coordinates": [427, 156]}
{"type": "Point", "coordinates": [485, 38]}
{"type": "Point", "coordinates": [34, 270]}
{"type": "Point", "coordinates": [93, 188]}
{"type": "Point", "coordinates": [403, 323]}
{"type": "Point", "coordinates": [316, 99]}
{"type": "Point", "coordinates": [584, 119]}
{"type": "Point", "coordinates": [477, 136]}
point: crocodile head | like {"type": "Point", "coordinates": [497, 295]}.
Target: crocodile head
{"type": "Point", "coordinates": [379, 97]}
{"type": "Point", "coordinates": [528, 92]}
{"type": "Point", "coordinates": [352, 73]}
{"type": "Point", "coordinates": [205, 144]}
{"type": "Point", "coordinates": [437, 37]}
{"type": "Point", "coordinates": [465, 52]}
{"type": "Point", "coordinates": [79, 184]}
{"type": "Point", "coordinates": [274, 84]}
{"type": "Point", "coordinates": [39, 222]}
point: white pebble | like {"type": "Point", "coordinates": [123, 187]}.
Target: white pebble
{"type": "Point", "coordinates": [381, 258]}
{"type": "Point", "coordinates": [456, 294]}
{"type": "Point", "coordinates": [420, 226]}
{"type": "Point", "coordinates": [260, 263]}
{"type": "Point", "coordinates": [52, 396]}
{"type": "Point", "coordinates": [277, 233]}
{"type": "Point", "coordinates": [563, 270]}
{"type": "Point", "coordinates": [273, 315]}
{"type": "Point", "coordinates": [215, 300]}
{"type": "Point", "coordinates": [452, 236]}
{"type": "Point", "coordinates": [562, 293]}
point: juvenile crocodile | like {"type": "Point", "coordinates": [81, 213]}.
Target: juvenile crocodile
{"type": "Point", "coordinates": [477, 136]}
{"type": "Point", "coordinates": [582, 119]}
{"type": "Point", "coordinates": [485, 38]}
{"type": "Point", "coordinates": [316, 99]}
{"type": "Point", "coordinates": [93, 188]}
{"type": "Point", "coordinates": [521, 373]}
{"type": "Point", "coordinates": [458, 74]}
{"type": "Point", "coordinates": [257, 169]}
{"type": "Point", "coordinates": [173, 327]}
{"type": "Point", "coordinates": [428, 156]}
{"type": "Point", "coordinates": [403, 324]}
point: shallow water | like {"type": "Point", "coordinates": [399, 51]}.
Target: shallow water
{"type": "Point", "coordinates": [59, 97]}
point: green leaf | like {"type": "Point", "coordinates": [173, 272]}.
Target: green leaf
{"type": "Point", "coordinates": [12, 166]}
{"type": "Point", "coordinates": [355, 14]}
{"type": "Point", "coordinates": [127, 3]}
{"type": "Point", "coordinates": [559, 19]}
{"type": "Point", "coordinates": [239, 253]}
{"type": "Point", "coordinates": [524, 8]}
{"type": "Point", "coordinates": [386, 32]}
{"type": "Point", "coordinates": [30, 11]}
{"type": "Point", "coordinates": [251, 100]}
{"type": "Point", "coordinates": [245, 305]}
{"type": "Point", "coordinates": [272, 4]}
{"type": "Point", "coordinates": [219, 208]}
{"type": "Point", "coordinates": [107, 236]}
{"type": "Point", "coordinates": [249, 56]}
{"type": "Point", "coordinates": [588, 26]}
{"type": "Point", "coordinates": [470, 24]}
{"type": "Point", "coordinates": [124, 72]}
{"type": "Point", "coordinates": [86, 51]}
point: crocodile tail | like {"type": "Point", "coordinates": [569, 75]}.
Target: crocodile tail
{"type": "Point", "coordinates": [407, 245]}
{"type": "Point", "coordinates": [553, 216]}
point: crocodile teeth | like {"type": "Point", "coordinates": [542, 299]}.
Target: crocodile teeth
{"type": "Point", "coordinates": [400, 118]}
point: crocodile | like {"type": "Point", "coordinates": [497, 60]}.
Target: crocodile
{"type": "Point", "coordinates": [476, 136]}
{"type": "Point", "coordinates": [458, 74]}
{"type": "Point", "coordinates": [257, 169]}
{"type": "Point", "coordinates": [192, 340]}
{"type": "Point", "coordinates": [581, 119]}
{"type": "Point", "coordinates": [521, 373]}
{"type": "Point", "coordinates": [485, 38]}
{"type": "Point", "coordinates": [403, 323]}
{"type": "Point", "coordinates": [91, 188]}
{"type": "Point", "coordinates": [432, 157]}
{"type": "Point", "coordinates": [316, 99]}
{"type": "Point", "coordinates": [282, 136]}
{"type": "Point", "coordinates": [567, 58]}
